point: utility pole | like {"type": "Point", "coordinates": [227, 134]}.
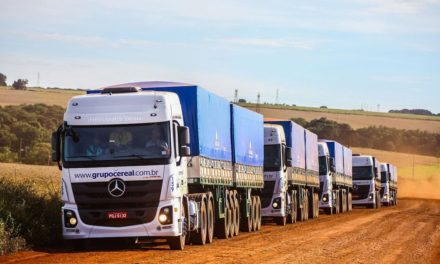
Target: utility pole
{"type": "Point", "coordinates": [236, 96]}
{"type": "Point", "coordinates": [38, 79]}
{"type": "Point", "coordinates": [277, 97]}
{"type": "Point", "coordinates": [258, 103]}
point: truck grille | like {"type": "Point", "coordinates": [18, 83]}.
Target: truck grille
{"type": "Point", "coordinates": [140, 201]}
{"type": "Point", "coordinates": [361, 192]}
{"type": "Point", "coordinates": [267, 193]}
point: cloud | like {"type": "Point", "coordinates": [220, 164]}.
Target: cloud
{"type": "Point", "coordinates": [267, 42]}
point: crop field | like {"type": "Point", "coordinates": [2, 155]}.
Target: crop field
{"type": "Point", "coordinates": [59, 97]}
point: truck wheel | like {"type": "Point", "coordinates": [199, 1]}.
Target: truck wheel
{"type": "Point", "coordinates": [254, 214]}
{"type": "Point", "coordinates": [349, 202]}
{"type": "Point", "coordinates": [306, 207]}
{"type": "Point", "coordinates": [293, 210]}
{"type": "Point", "coordinates": [316, 196]}
{"type": "Point", "coordinates": [246, 221]}
{"type": "Point", "coordinates": [258, 213]}
{"type": "Point", "coordinates": [337, 199]}
{"type": "Point", "coordinates": [178, 242]}
{"type": "Point", "coordinates": [237, 213]}
{"type": "Point", "coordinates": [222, 224]}
{"type": "Point", "coordinates": [343, 202]}
{"type": "Point", "coordinates": [210, 216]}
{"type": "Point", "coordinates": [199, 238]}
{"type": "Point", "coordinates": [379, 204]}
{"type": "Point", "coordinates": [311, 203]}
{"type": "Point", "coordinates": [233, 214]}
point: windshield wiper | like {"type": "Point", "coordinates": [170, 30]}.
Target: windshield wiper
{"type": "Point", "coordinates": [132, 155]}
{"type": "Point", "coordinates": [85, 156]}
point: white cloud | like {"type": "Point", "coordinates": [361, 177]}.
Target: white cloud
{"type": "Point", "coordinates": [267, 42]}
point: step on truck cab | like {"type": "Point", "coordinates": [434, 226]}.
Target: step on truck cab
{"type": "Point", "coordinates": [158, 160]}
{"type": "Point", "coordinates": [388, 191]}
{"type": "Point", "coordinates": [335, 173]}
{"type": "Point", "coordinates": [366, 181]}
{"type": "Point", "coordinates": [291, 181]}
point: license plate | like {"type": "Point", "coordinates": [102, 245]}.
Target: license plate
{"type": "Point", "coordinates": [117, 215]}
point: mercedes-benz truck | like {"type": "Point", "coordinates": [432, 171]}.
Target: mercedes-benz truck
{"type": "Point", "coordinates": [388, 192]}
{"type": "Point", "coordinates": [159, 160]}
{"type": "Point", "coordinates": [366, 181]}
{"type": "Point", "coordinates": [291, 178]}
{"type": "Point", "coordinates": [335, 173]}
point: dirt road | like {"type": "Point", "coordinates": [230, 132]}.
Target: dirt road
{"type": "Point", "coordinates": [408, 233]}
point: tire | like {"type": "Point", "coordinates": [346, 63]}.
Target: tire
{"type": "Point", "coordinates": [211, 219]}
{"type": "Point", "coordinates": [342, 203]}
{"type": "Point", "coordinates": [199, 238]}
{"type": "Point", "coordinates": [237, 213]}
{"type": "Point", "coordinates": [306, 208]}
{"type": "Point", "coordinates": [337, 203]}
{"type": "Point", "coordinates": [281, 221]}
{"type": "Point", "coordinates": [349, 202]}
{"type": "Point", "coordinates": [178, 242]}
{"type": "Point", "coordinates": [293, 210]}
{"type": "Point", "coordinates": [233, 214]}
{"type": "Point", "coordinates": [246, 221]}
{"type": "Point", "coordinates": [222, 224]}
{"type": "Point", "coordinates": [254, 213]}
{"type": "Point", "coordinates": [316, 205]}
{"type": "Point", "coordinates": [299, 210]}
{"type": "Point", "coordinates": [258, 213]}
{"type": "Point", "coordinates": [311, 206]}
{"type": "Point", "coordinates": [378, 202]}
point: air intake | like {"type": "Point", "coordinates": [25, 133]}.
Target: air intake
{"type": "Point", "coordinates": [115, 90]}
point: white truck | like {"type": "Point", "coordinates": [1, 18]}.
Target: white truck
{"type": "Point", "coordinates": [291, 181]}
{"type": "Point", "coordinates": [335, 173]}
{"type": "Point", "coordinates": [388, 192]}
{"type": "Point", "coordinates": [160, 160]}
{"type": "Point", "coordinates": [366, 181]}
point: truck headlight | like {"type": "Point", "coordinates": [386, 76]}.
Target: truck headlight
{"type": "Point", "coordinates": [276, 203]}
{"type": "Point", "coordinates": [385, 196]}
{"type": "Point", "coordinates": [325, 198]}
{"type": "Point", "coordinates": [166, 215]}
{"type": "Point", "coordinates": [371, 196]}
{"type": "Point", "coordinates": [70, 219]}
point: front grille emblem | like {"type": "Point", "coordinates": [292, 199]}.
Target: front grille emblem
{"type": "Point", "coordinates": [355, 186]}
{"type": "Point", "coordinates": [116, 188]}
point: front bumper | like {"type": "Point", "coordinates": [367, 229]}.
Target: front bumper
{"type": "Point", "coordinates": [272, 212]}
{"type": "Point", "coordinates": [150, 229]}
{"type": "Point", "coordinates": [365, 201]}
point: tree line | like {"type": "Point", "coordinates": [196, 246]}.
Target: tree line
{"type": "Point", "coordinates": [376, 137]}
{"type": "Point", "coordinates": [414, 112]}
{"type": "Point", "coordinates": [25, 132]}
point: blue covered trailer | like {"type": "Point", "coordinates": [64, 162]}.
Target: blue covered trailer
{"type": "Point", "coordinates": [312, 158]}
{"type": "Point", "coordinates": [247, 129]}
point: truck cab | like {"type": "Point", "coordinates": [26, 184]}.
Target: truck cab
{"type": "Point", "coordinates": [385, 184]}
{"type": "Point", "coordinates": [326, 168]}
{"type": "Point", "coordinates": [366, 181]}
{"type": "Point", "coordinates": [274, 200]}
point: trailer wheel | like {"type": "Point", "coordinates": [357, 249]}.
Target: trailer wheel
{"type": "Point", "coordinates": [254, 213]}
{"type": "Point", "coordinates": [237, 213]}
{"type": "Point", "coordinates": [311, 203]}
{"type": "Point", "coordinates": [306, 207]}
{"type": "Point", "coordinates": [337, 203]}
{"type": "Point", "coordinates": [379, 204]}
{"type": "Point", "coordinates": [199, 238]}
{"type": "Point", "coordinates": [210, 216]}
{"type": "Point", "coordinates": [316, 200]}
{"type": "Point", "coordinates": [178, 242]}
{"type": "Point", "coordinates": [222, 224]}
{"type": "Point", "coordinates": [258, 213]}
{"type": "Point", "coordinates": [343, 202]}
{"type": "Point", "coordinates": [349, 202]}
{"type": "Point", "coordinates": [293, 209]}
{"type": "Point", "coordinates": [233, 214]}
{"type": "Point", "coordinates": [246, 221]}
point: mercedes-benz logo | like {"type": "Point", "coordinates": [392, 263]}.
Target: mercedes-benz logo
{"type": "Point", "coordinates": [355, 186]}
{"type": "Point", "coordinates": [116, 188]}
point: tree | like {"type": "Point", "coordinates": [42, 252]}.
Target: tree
{"type": "Point", "coordinates": [20, 84]}
{"type": "Point", "coordinates": [242, 101]}
{"type": "Point", "coordinates": [3, 80]}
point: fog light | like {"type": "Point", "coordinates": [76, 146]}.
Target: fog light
{"type": "Point", "coordinates": [166, 215]}
{"type": "Point", "coordinates": [276, 204]}
{"type": "Point", "coordinates": [371, 196]}
{"type": "Point", "coordinates": [163, 218]}
{"type": "Point", "coordinates": [73, 221]}
{"type": "Point", "coordinates": [385, 196]}
{"type": "Point", "coordinates": [325, 198]}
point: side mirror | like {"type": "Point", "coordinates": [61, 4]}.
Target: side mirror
{"type": "Point", "coordinates": [184, 151]}
{"type": "Point", "coordinates": [332, 164]}
{"type": "Point", "coordinates": [183, 135]}
{"type": "Point", "coordinates": [288, 156]}
{"type": "Point", "coordinates": [55, 146]}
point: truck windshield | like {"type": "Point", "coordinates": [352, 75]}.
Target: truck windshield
{"type": "Point", "coordinates": [323, 168]}
{"type": "Point", "coordinates": [383, 177]}
{"type": "Point", "coordinates": [362, 173]}
{"type": "Point", "coordinates": [272, 157]}
{"type": "Point", "coordinates": [98, 144]}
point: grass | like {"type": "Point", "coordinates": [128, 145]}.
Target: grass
{"type": "Point", "coordinates": [29, 207]}
{"type": "Point", "coordinates": [9, 96]}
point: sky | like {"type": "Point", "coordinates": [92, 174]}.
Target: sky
{"type": "Point", "coordinates": [369, 54]}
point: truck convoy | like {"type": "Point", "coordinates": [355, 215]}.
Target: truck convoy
{"type": "Point", "coordinates": [335, 173]}
{"type": "Point", "coordinates": [159, 160]}
{"type": "Point", "coordinates": [366, 181]}
{"type": "Point", "coordinates": [174, 161]}
{"type": "Point", "coordinates": [291, 181]}
{"type": "Point", "coordinates": [388, 192]}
